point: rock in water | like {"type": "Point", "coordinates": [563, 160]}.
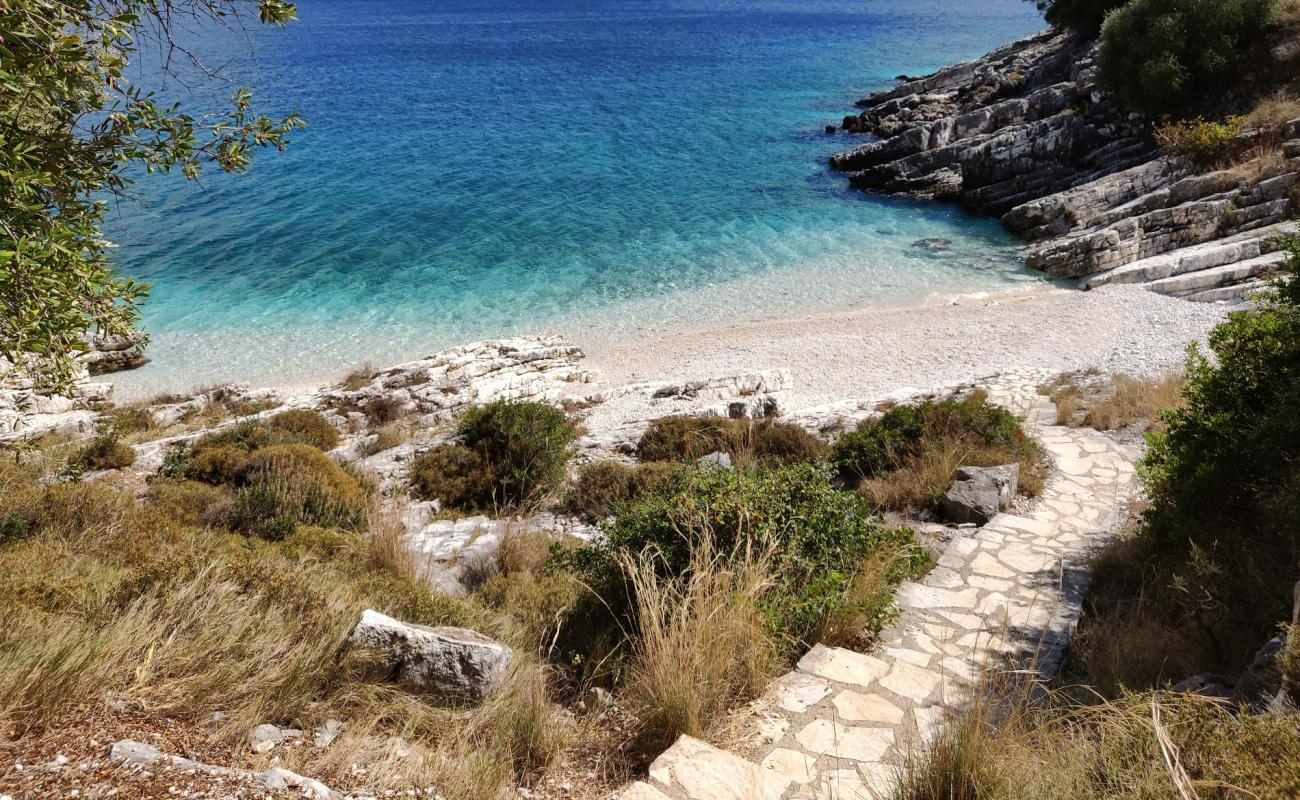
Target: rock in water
{"type": "Point", "coordinates": [977, 494]}
{"type": "Point", "coordinates": [450, 663]}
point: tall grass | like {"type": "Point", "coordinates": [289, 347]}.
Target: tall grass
{"type": "Point", "coordinates": [701, 646]}
{"type": "Point", "coordinates": [1017, 743]}
{"type": "Point", "coordinates": [112, 601]}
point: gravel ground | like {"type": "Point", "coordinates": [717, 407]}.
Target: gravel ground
{"type": "Point", "coordinates": [870, 354]}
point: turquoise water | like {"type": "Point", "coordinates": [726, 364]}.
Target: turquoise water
{"type": "Point", "coordinates": [610, 168]}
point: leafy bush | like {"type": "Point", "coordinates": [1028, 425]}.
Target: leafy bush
{"type": "Point", "coordinates": [283, 486]}
{"type": "Point", "coordinates": [819, 538]}
{"type": "Point", "coordinates": [456, 476]}
{"type": "Point", "coordinates": [1215, 560]}
{"type": "Point", "coordinates": [602, 487]}
{"type": "Point", "coordinates": [220, 456]}
{"type": "Point", "coordinates": [1169, 56]}
{"type": "Point", "coordinates": [1081, 16]}
{"type": "Point", "coordinates": [303, 427]}
{"type": "Point", "coordinates": [527, 445]}
{"type": "Point", "coordinates": [905, 459]}
{"type": "Point", "coordinates": [105, 451]}
{"type": "Point", "coordinates": [1202, 141]}
{"type": "Point", "coordinates": [688, 439]}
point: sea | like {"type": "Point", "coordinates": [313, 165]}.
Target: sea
{"type": "Point", "coordinates": [606, 169]}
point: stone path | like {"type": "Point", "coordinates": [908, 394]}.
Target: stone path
{"type": "Point", "coordinates": [1007, 594]}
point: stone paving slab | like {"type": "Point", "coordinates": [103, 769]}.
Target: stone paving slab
{"type": "Point", "coordinates": [1006, 595]}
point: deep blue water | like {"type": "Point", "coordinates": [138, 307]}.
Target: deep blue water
{"type": "Point", "coordinates": [480, 167]}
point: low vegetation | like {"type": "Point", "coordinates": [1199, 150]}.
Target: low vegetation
{"type": "Point", "coordinates": [819, 540]}
{"type": "Point", "coordinates": [602, 488]}
{"type": "Point", "coordinates": [105, 451]}
{"type": "Point", "coordinates": [509, 455]}
{"type": "Point", "coordinates": [1116, 402]}
{"type": "Point", "coordinates": [1205, 142]}
{"type": "Point", "coordinates": [905, 460]}
{"type": "Point", "coordinates": [1150, 745]}
{"type": "Point", "coordinates": [746, 442]}
{"type": "Point", "coordinates": [116, 607]}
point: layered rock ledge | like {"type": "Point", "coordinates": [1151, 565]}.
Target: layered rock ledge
{"type": "Point", "coordinates": [1025, 134]}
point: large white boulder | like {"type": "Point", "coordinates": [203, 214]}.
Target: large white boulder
{"type": "Point", "coordinates": [450, 663]}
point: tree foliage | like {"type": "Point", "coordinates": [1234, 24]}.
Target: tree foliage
{"type": "Point", "coordinates": [1081, 16]}
{"type": "Point", "coordinates": [1163, 56]}
{"type": "Point", "coordinates": [73, 131]}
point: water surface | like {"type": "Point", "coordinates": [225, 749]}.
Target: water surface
{"type": "Point", "coordinates": [479, 168]}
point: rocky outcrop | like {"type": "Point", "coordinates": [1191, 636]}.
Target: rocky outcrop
{"type": "Point", "coordinates": [1026, 135]}
{"type": "Point", "coordinates": [28, 410]}
{"type": "Point", "coordinates": [977, 494]}
{"type": "Point", "coordinates": [448, 663]}
{"type": "Point", "coordinates": [106, 354]}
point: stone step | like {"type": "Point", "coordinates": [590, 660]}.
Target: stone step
{"type": "Point", "coordinates": [696, 770]}
{"type": "Point", "coordinates": [1227, 294]}
{"type": "Point", "coordinates": [1195, 258]}
{"type": "Point", "coordinates": [1215, 277]}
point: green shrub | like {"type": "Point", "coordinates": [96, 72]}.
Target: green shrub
{"type": "Point", "coordinates": [602, 487]}
{"type": "Point", "coordinates": [1171, 56]}
{"type": "Point", "coordinates": [283, 486]}
{"type": "Point", "coordinates": [905, 460]}
{"type": "Point", "coordinates": [303, 427]}
{"type": "Point", "coordinates": [1202, 141]}
{"type": "Point", "coordinates": [1217, 555]}
{"type": "Point", "coordinates": [1081, 16]}
{"type": "Point", "coordinates": [527, 445]}
{"type": "Point", "coordinates": [904, 432]}
{"type": "Point", "coordinates": [820, 539]}
{"type": "Point", "coordinates": [687, 439]}
{"type": "Point", "coordinates": [456, 476]}
{"type": "Point", "coordinates": [105, 451]}
{"type": "Point", "coordinates": [221, 456]}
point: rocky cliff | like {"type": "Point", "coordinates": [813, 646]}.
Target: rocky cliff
{"type": "Point", "coordinates": [1025, 134]}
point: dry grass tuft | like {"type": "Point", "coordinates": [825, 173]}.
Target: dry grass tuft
{"type": "Point", "coordinates": [701, 646]}
{"type": "Point", "coordinates": [1121, 401]}
{"type": "Point", "coordinates": [1016, 744]}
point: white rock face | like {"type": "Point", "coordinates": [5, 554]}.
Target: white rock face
{"type": "Point", "coordinates": [450, 663]}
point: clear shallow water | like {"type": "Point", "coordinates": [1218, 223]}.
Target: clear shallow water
{"type": "Point", "coordinates": [480, 168]}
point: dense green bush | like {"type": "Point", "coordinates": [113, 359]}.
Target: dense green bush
{"type": "Point", "coordinates": [526, 443]}
{"type": "Point", "coordinates": [1223, 531]}
{"type": "Point", "coordinates": [602, 487]}
{"type": "Point", "coordinates": [456, 476]}
{"type": "Point", "coordinates": [510, 454]}
{"type": "Point", "coordinates": [1170, 56]}
{"type": "Point", "coordinates": [820, 538]}
{"type": "Point", "coordinates": [893, 440]}
{"type": "Point", "coordinates": [687, 439]}
{"type": "Point", "coordinates": [282, 486]}
{"type": "Point", "coordinates": [105, 451]}
{"type": "Point", "coordinates": [1083, 16]}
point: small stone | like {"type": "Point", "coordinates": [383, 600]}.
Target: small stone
{"type": "Point", "coordinates": [325, 735]}
{"type": "Point", "coordinates": [858, 707]}
{"type": "Point", "coordinates": [266, 736]}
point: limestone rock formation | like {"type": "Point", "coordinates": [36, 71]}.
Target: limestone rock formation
{"type": "Point", "coordinates": [977, 494]}
{"type": "Point", "coordinates": [1024, 134]}
{"type": "Point", "coordinates": [449, 663]}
